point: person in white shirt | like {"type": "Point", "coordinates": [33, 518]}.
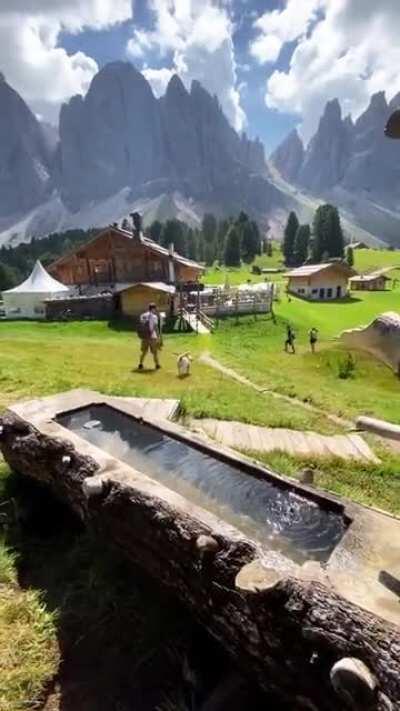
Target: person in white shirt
{"type": "Point", "coordinates": [150, 335]}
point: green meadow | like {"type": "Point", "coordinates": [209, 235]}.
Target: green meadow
{"type": "Point", "coordinates": [38, 359]}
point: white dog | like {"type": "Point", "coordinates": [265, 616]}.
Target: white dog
{"type": "Point", "coordinates": [183, 362]}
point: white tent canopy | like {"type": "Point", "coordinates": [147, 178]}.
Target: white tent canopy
{"type": "Point", "coordinates": [27, 299]}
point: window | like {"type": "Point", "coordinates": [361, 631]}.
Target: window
{"type": "Point", "coordinates": [315, 291]}
{"type": "Point", "coordinates": [300, 291]}
{"type": "Point", "coordinates": [329, 293]}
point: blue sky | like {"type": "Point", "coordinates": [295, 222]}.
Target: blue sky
{"type": "Point", "coordinates": [272, 63]}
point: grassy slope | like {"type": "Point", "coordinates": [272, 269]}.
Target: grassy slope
{"type": "Point", "coordinates": [367, 260]}
{"type": "Point", "coordinates": [40, 359]}
{"type": "Point", "coordinates": [257, 351]}
{"type": "Point", "coordinates": [28, 651]}
{"type": "Point", "coordinates": [232, 276]}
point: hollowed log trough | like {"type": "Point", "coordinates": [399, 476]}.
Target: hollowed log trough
{"type": "Point", "coordinates": [303, 643]}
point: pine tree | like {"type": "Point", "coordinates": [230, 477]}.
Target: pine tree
{"type": "Point", "coordinates": [8, 277]}
{"type": "Point", "coordinates": [268, 248]}
{"type": "Point", "coordinates": [350, 256]}
{"type": "Point", "coordinates": [210, 253]}
{"type": "Point", "coordinates": [222, 231]}
{"type": "Point", "coordinates": [328, 239]}
{"type": "Point", "coordinates": [289, 237]}
{"type": "Point", "coordinates": [256, 238]}
{"type": "Point", "coordinates": [209, 230]}
{"type": "Point", "coordinates": [174, 233]}
{"type": "Point", "coordinates": [301, 245]}
{"type": "Point", "coordinates": [155, 231]}
{"type": "Point", "coordinates": [250, 240]}
{"type": "Point", "coordinates": [232, 247]}
{"type": "Point", "coordinates": [192, 250]}
{"type": "Point", "coordinates": [209, 227]}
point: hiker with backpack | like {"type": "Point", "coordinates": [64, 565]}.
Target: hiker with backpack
{"type": "Point", "coordinates": [149, 332]}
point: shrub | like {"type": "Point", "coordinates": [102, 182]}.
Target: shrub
{"type": "Point", "coordinates": [347, 367]}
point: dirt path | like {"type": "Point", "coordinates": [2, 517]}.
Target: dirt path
{"type": "Point", "coordinates": [230, 373]}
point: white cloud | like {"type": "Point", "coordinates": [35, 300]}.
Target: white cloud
{"type": "Point", "coordinates": [198, 33]}
{"type": "Point", "coordinates": [277, 27]}
{"type": "Point", "coordinates": [42, 72]}
{"type": "Point", "coordinates": [158, 78]}
{"type": "Point", "coordinates": [351, 52]}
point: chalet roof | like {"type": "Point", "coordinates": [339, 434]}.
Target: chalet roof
{"type": "Point", "coordinates": [358, 245]}
{"type": "Point", "coordinates": [39, 282]}
{"type": "Point", "coordinates": [127, 234]}
{"type": "Point", "coordinates": [311, 269]}
{"type": "Point", "coordinates": [155, 285]}
{"type": "Point", "coordinates": [370, 277]}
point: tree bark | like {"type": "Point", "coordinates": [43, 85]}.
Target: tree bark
{"type": "Point", "coordinates": [286, 637]}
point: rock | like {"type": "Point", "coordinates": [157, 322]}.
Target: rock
{"type": "Point", "coordinates": [306, 476]}
{"type": "Point", "coordinates": [353, 164]}
{"type": "Point", "coordinates": [120, 135]}
{"type": "Point", "coordinates": [111, 138]}
{"type": "Point", "coordinates": [381, 338]}
{"type": "Point", "coordinates": [24, 157]}
{"type": "Point", "coordinates": [288, 157]}
{"type": "Point", "coordinates": [328, 153]}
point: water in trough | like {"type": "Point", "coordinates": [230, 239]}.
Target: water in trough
{"type": "Point", "coordinates": [277, 516]}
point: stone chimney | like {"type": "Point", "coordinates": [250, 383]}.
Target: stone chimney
{"type": "Point", "coordinates": [171, 264]}
{"type": "Point", "coordinates": [136, 225]}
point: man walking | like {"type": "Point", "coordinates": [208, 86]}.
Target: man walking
{"type": "Point", "coordinates": [290, 339]}
{"type": "Point", "coordinates": [149, 332]}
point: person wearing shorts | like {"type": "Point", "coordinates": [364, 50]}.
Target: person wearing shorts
{"type": "Point", "coordinates": [150, 335]}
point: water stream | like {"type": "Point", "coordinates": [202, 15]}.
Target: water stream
{"type": "Point", "coordinates": [277, 517]}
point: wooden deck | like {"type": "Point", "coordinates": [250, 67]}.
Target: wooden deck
{"type": "Point", "coordinates": [296, 443]}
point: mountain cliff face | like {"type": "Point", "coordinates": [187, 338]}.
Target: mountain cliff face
{"type": "Point", "coordinates": [120, 135]}
{"type": "Point", "coordinates": [109, 139]}
{"type": "Point", "coordinates": [354, 165]}
{"type": "Point", "coordinates": [289, 156]}
{"type": "Point", "coordinates": [120, 146]}
{"type": "Point", "coordinates": [354, 157]}
{"type": "Point", "coordinates": [24, 157]}
{"type": "Point", "coordinates": [327, 156]}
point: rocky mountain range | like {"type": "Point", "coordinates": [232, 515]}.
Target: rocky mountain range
{"type": "Point", "coordinates": [120, 147]}
{"type": "Point", "coordinates": [351, 164]}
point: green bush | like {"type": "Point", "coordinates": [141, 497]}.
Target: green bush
{"type": "Point", "coordinates": [347, 367]}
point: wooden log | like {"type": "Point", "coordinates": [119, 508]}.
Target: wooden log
{"type": "Point", "coordinates": [288, 636]}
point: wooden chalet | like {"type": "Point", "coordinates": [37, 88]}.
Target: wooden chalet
{"type": "Point", "coordinates": [320, 282]}
{"type": "Point", "coordinates": [119, 256]}
{"type": "Point", "coordinates": [378, 281]}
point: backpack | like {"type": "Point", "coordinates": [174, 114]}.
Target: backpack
{"type": "Point", "coordinates": [143, 329]}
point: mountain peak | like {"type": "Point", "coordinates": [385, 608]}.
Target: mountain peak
{"type": "Point", "coordinates": [378, 101]}
{"type": "Point", "coordinates": [176, 87]}
{"type": "Point", "coordinates": [333, 110]}
{"type": "Point", "coordinates": [289, 155]}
